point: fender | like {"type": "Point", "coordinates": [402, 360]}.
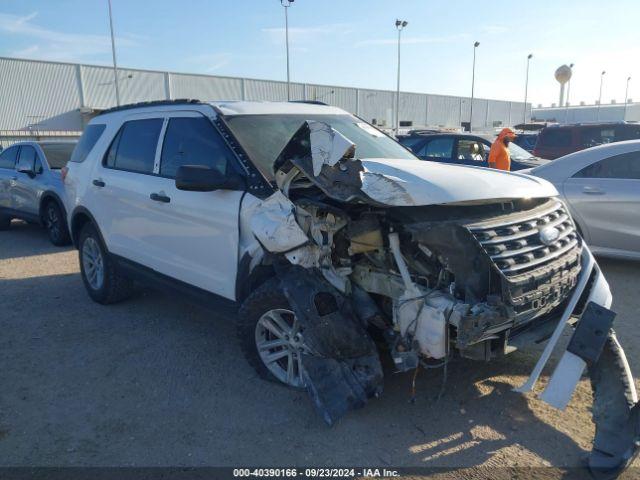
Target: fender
{"type": "Point", "coordinates": [51, 195]}
{"type": "Point", "coordinates": [75, 231]}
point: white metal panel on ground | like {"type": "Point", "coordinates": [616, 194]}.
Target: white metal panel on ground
{"type": "Point", "coordinates": [272, 90]}
{"type": "Point", "coordinates": [204, 87]}
{"type": "Point", "coordinates": [376, 105]}
{"type": "Point", "coordinates": [341, 97]}
{"type": "Point", "coordinates": [40, 95]}
{"type": "Point", "coordinates": [444, 111]}
{"type": "Point", "coordinates": [135, 86]}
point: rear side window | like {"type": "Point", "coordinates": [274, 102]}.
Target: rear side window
{"type": "Point", "coordinates": [411, 142]}
{"type": "Point", "coordinates": [134, 148]}
{"type": "Point", "coordinates": [8, 158]}
{"type": "Point", "coordinates": [87, 141]}
{"type": "Point", "coordinates": [555, 137]}
{"type": "Point", "coordinates": [592, 136]}
{"type": "Point", "coordinates": [193, 141]}
{"type": "Point", "coordinates": [625, 166]}
{"type": "Point", "coordinates": [437, 148]}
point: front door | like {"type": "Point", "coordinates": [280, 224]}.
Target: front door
{"type": "Point", "coordinates": [26, 186]}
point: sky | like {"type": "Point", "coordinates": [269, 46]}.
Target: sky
{"type": "Point", "coordinates": [349, 42]}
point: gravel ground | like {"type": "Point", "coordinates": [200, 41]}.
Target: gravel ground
{"type": "Point", "coordinates": [155, 381]}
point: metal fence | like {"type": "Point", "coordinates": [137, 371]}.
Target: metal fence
{"type": "Point", "coordinates": [59, 96]}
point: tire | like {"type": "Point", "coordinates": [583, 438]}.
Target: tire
{"type": "Point", "coordinates": [55, 224]}
{"type": "Point", "coordinates": [5, 222]}
{"type": "Point", "coordinates": [260, 306]}
{"type": "Point", "coordinates": [103, 282]}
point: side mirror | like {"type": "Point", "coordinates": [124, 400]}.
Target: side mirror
{"type": "Point", "coordinates": [200, 178]}
{"type": "Point", "coordinates": [27, 166]}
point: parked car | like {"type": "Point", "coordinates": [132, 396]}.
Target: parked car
{"type": "Point", "coordinates": [601, 185]}
{"type": "Point", "coordinates": [31, 186]}
{"type": "Point", "coordinates": [463, 149]}
{"type": "Point", "coordinates": [526, 141]}
{"type": "Point", "coordinates": [324, 229]}
{"type": "Point", "coordinates": [556, 141]}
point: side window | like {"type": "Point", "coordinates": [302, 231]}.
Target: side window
{"type": "Point", "coordinates": [28, 156]}
{"type": "Point", "coordinates": [437, 148]}
{"type": "Point", "coordinates": [590, 137]}
{"type": "Point", "coordinates": [193, 141]}
{"type": "Point", "coordinates": [556, 137]}
{"type": "Point", "coordinates": [8, 158]}
{"type": "Point", "coordinates": [625, 166]}
{"type": "Point", "coordinates": [87, 141]}
{"type": "Point", "coordinates": [134, 148]}
{"type": "Point", "coordinates": [470, 150]}
{"type": "Point", "coordinates": [411, 142]}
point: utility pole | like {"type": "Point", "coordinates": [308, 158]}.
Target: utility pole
{"type": "Point", "coordinates": [473, 83]}
{"type": "Point", "coordinates": [113, 52]}
{"type": "Point", "coordinates": [400, 24]}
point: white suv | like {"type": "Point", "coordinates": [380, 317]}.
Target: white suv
{"type": "Point", "coordinates": [324, 229]}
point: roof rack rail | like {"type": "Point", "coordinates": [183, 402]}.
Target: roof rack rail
{"type": "Point", "coordinates": [153, 103]}
{"type": "Point", "coordinates": [310, 102]}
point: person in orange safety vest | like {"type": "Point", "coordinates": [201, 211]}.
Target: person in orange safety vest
{"type": "Point", "coordinates": [499, 154]}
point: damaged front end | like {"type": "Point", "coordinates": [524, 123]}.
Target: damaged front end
{"type": "Point", "coordinates": [357, 250]}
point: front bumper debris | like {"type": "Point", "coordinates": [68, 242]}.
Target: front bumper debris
{"type": "Point", "coordinates": [594, 345]}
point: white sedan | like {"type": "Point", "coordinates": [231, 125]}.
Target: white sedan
{"type": "Point", "coordinates": [602, 187]}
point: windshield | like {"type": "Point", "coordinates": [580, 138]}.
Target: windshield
{"type": "Point", "coordinates": [57, 154]}
{"type": "Point", "coordinates": [518, 153]}
{"type": "Point", "coordinates": [264, 136]}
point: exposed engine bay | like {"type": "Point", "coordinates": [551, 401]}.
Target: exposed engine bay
{"type": "Point", "coordinates": [355, 252]}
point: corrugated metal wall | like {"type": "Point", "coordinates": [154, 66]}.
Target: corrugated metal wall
{"type": "Point", "coordinates": [49, 96]}
{"type": "Point", "coordinates": [589, 113]}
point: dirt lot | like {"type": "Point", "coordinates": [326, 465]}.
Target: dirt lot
{"type": "Point", "coordinates": [156, 381]}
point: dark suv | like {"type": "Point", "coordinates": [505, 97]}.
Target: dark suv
{"type": "Point", "coordinates": [462, 149]}
{"type": "Point", "coordinates": [559, 140]}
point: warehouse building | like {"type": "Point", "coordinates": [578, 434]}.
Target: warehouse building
{"type": "Point", "coordinates": [613, 112]}
{"type": "Point", "coordinates": [41, 98]}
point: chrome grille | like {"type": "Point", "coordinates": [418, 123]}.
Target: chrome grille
{"type": "Point", "coordinates": [516, 246]}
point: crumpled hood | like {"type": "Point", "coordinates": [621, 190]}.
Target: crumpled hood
{"type": "Point", "coordinates": [429, 183]}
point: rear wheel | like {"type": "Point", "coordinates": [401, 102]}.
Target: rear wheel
{"type": "Point", "coordinates": [5, 222]}
{"type": "Point", "coordinates": [55, 224]}
{"type": "Point", "coordinates": [103, 282]}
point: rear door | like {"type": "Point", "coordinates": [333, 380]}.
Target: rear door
{"type": "Point", "coordinates": [606, 195]}
{"type": "Point", "coordinates": [194, 235]}
{"type": "Point", "coordinates": [8, 159]}
{"type": "Point", "coordinates": [26, 187]}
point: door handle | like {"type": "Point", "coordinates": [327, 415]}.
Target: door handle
{"type": "Point", "coordinates": [157, 197]}
{"type": "Point", "coordinates": [593, 191]}
{"type": "Point", "coordinates": [98, 183]}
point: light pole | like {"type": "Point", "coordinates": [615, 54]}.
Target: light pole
{"type": "Point", "coordinates": [526, 86]}
{"type": "Point", "coordinates": [286, 4]}
{"type": "Point", "coordinates": [473, 82]}
{"type": "Point", "coordinates": [626, 96]}
{"type": "Point", "coordinates": [113, 52]}
{"type": "Point", "coordinates": [400, 24]}
{"type": "Point", "coordinates": [600, 95]}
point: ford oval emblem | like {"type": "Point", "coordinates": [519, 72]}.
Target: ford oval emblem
{"type": "Point", "coordinates": [549, 235]}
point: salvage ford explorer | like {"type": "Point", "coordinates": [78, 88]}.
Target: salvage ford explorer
{"type": "Point", "coordinates": [325, 230]}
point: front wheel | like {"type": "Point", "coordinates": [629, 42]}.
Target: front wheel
{"type": "Point", "coordinates": [100, 276]}
{"type": "Point", "coordinates": [271, 337]}
{"type": "Point", "coordinates": [55, 224]}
